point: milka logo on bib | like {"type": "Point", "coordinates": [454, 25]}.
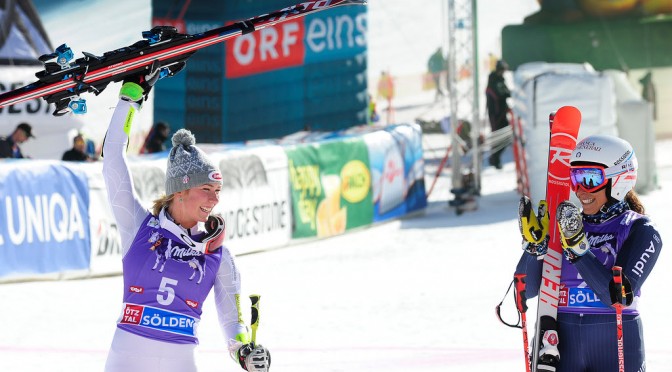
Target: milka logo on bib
{"type": "Point", "coordinates": [177, 253]}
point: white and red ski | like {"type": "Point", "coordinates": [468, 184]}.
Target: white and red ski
{"type": "Point", "coordinates": [565, 125]}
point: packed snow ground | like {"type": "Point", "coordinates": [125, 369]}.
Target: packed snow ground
{"type": "Point", "coordinates": [416, 294]}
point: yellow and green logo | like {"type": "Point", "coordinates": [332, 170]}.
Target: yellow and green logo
{"type": "Point", "coordinates": [355, 181]}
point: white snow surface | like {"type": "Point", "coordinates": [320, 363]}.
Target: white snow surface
{"type": "Point", "coordinates": [416, 294]}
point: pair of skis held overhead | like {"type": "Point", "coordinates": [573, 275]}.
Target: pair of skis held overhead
{"type": "Point", "coordinates": [564, 129]}
{"type": "Point", "coordinates": [163, 49]}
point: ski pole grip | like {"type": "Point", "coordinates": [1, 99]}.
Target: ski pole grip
{"type": "Point", "coordinates": [620, 296]}
{"type": "Point", "coordinates": [521, 299]}
{"type": "Point", "coordinates": [254, 320]}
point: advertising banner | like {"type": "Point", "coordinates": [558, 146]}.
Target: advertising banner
{"type": "Point", "coordinates": [255, 198]}
{"type": "Point", "coordinates": [330, 186]}
{"type": "Point", "coordinates": [304, 73]}
{"type": "Point", "coordinates": [315, 38]}
{"type": "Point", "coordinates": [397, 171]}
{"type": "Point", "coordinates": [44, 218]}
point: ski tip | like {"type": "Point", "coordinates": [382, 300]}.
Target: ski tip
{"type": "Point", "coordinates": [568, 112]}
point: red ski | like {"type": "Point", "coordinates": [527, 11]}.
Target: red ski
{"type": "Point", "coordinates": [564, 130]}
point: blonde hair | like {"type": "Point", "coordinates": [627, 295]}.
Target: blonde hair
{"type": "Point", "coordinates": [161, 202]}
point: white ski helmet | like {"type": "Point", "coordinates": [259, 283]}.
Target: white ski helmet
{"type": "Point", "coordinates": [616, 155]}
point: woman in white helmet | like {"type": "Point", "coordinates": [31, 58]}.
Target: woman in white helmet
{"type": "Point", "coordinates": [610, 230]}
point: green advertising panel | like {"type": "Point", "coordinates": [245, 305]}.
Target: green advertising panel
{"type": "Point", "coordinates": [330, 184]}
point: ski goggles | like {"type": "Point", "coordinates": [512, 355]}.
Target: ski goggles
{"type": "Point", "coordinates": [590, 178]}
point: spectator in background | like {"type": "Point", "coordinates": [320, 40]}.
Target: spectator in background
{"type": "Point", "coordinates": [496, 94]}
{"type": "Point", "coordinates": [649, 92]}
{"type": "Point", "coordinates": [372, 116]}
{"type": "Point", "coordinates": [386, 91]}
{"type": "Point", "coordinates": [10, 145]}
{"type": "Point", "coordinates": [156, 139]}
{"type": "Point", "coordinates": [436, 66]}
{"type": "Point", "coordinates": [78, 151]}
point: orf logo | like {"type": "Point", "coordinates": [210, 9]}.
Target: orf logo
{"type": "Point", "coordinates": [271, 48]}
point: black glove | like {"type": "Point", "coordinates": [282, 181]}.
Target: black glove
{"type": "Point", "coordinates": [214, 236]}
{"type": "Point", "coordinates": [254, 358]}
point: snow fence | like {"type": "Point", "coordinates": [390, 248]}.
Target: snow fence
{"type": "Point", "coordinates": [56, 221]}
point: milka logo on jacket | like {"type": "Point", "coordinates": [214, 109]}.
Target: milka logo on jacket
{"type": "Point", "coordinates": [185, 255]}
{"type": "Point", "coordinates": [595, 240]}
{"type": "Point", "coordinates": [603, 243]}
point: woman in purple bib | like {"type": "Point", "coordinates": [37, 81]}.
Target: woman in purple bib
{"type": "Point", "coordinates": [173, 255]}
{"type": "Point", "coordinates": [609, 230]}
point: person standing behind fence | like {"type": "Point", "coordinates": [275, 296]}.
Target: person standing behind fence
{"type": "Point", "coordinates": [496, 94]}
{"type": "Point", "coordinates": [10, 145]}
{"type": "Point", "coordinates": [156, 139]}
{"type": "Point", "coordinates": [78, 150]}
{"type": "Point", "coordinates": [386, 91]}
{"type": "Point", "coordinates": [436, 66]}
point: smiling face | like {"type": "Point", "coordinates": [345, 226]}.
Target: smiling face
{"type": "Point", "coordinates": [195, 204]}
{"type": "Point", "coordinates": [592, 201]}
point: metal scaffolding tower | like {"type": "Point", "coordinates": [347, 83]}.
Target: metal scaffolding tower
{"type": "Point", "coordinates": [462, 43]}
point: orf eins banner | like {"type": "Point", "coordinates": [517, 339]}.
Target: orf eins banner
{"type": "Point", "coordinates": [44, 224]}
{"type": "Point", "coordinates": [330, 184]}
{"type": "Point", "coordinates": [315, 38]}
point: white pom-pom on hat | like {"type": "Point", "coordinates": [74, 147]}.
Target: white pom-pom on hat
{"type": "Point", "coordinates": [183, 137]}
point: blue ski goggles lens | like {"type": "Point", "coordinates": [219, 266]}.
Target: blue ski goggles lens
{"type": "Point", "coordinates": [588, 178]}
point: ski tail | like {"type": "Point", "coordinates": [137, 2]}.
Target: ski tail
{"type": "Point", "coordinates": [564, 129]}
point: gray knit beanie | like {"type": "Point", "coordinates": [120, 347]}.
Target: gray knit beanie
{"type": "Point", "coordinates": [188, 166]}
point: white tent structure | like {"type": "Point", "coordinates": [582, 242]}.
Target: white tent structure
{"type": "Point", "coordinates": [608, 105]}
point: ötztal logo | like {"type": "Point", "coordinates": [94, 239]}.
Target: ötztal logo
{"type": "Point", "coordinates": [136, 289]}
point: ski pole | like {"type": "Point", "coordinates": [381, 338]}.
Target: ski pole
{"type": "Point", "coordinates": [619, 299]}
{"type": "Point", "coordinates": [254, 321]}
{"type": "Point", "coordinates": [519, 280]}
